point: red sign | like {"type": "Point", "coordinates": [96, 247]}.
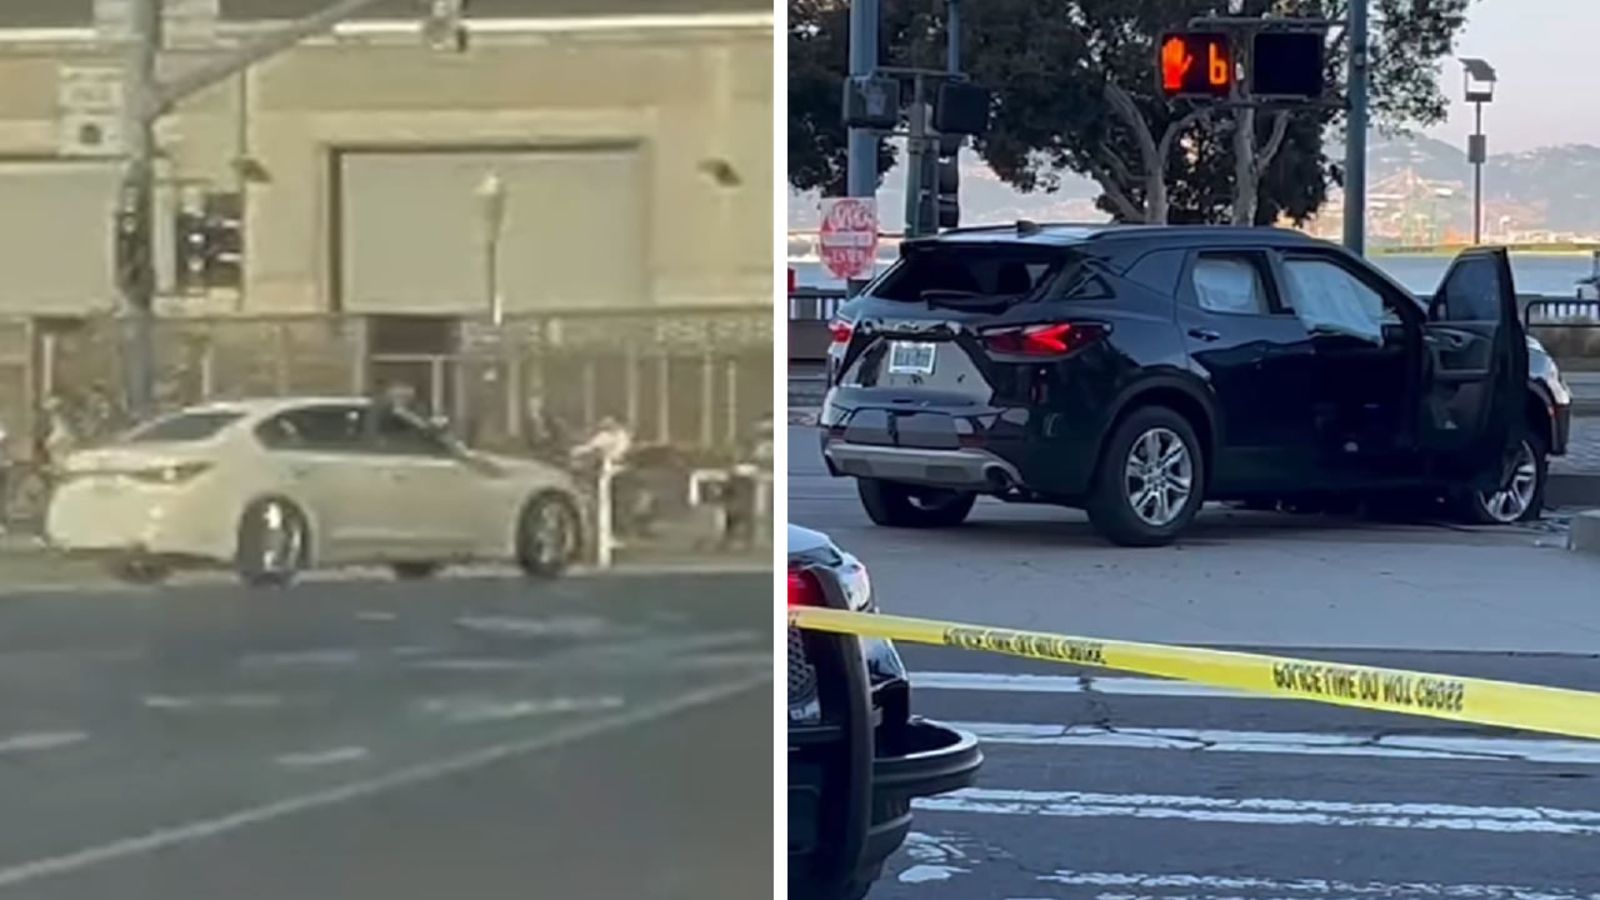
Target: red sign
{"type": "Point", "coordinates": [849, 236]}
{"type": "Point", "coordinates": [1196, 65]}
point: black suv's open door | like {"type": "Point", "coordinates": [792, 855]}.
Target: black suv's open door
{"type": "Point", "coordinates": [1476, 373]}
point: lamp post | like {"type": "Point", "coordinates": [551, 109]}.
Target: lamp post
{"type": "Point", "coordinates": [492, 204]}
{"type": "Point", "coordinates": [1478, 79]}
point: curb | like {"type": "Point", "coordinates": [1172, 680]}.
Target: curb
{"type": "Point", "coordinates": [1572, 489]}
{"type": "Point", "coordinates": [1585, 536]}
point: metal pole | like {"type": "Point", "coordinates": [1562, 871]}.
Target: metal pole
{"type": "Point", "coordinates": [1477, 181]}
{"type": "Point", "coordinates": [952, 47]}
{"type": "Point", "coordinates": [916, 149]}
{"type": "Point", "coordinates": [1355, 153]}
{"type": "Point", "coordinates": [861, 170]}
{"type": "Point", "coordinates": [136, 277]}
{"type": "Point", "coordinates": [491, 278]}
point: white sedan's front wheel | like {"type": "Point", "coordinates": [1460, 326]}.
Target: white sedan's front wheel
{"type": "Point", "coordinates": [549, 536]}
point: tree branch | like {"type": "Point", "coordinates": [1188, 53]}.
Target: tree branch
{"type": "Point", "coordinates": [1114, 192]}
{"type": "Point", "coordinates": [1280, 127]}
{"type": "Point", "coordinates": [1122, 104]}
{"type": "Point", "coordinates": [1175, 129]}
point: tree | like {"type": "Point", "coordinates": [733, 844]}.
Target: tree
{"type": "Point", "coordinates": [1075, 92]}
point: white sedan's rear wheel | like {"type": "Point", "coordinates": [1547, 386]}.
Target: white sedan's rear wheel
{"type": "Point", "coordinates": [274, 543]}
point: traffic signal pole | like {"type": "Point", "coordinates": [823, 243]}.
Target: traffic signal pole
{"type": "Point", "coordinates": [145, 99]}
{"type": "Point", "coordinates": [861, 163]}
{"type": "Point", "coordinates": [1355, 153]}
{"type": "Point", "coordinates": [916, 153]}
{"type": "Point", "coordinates": [136, 264]}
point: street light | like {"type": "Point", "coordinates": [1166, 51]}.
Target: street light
{"type": "Point", "coordinates": [491, 195]}
{"type": "Point", "coordinates": [1478, 86]}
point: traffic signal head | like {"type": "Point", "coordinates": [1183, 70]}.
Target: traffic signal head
{"type": "Point", "coordinates": [1195, 64]}
{"type": "Point", "coordinates": [1287, 64]}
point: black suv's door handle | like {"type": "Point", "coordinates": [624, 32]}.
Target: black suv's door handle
{"type": "Point", "coordinates": [1204, 334]}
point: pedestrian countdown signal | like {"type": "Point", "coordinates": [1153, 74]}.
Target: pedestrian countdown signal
{"type": "Point", "coordinates": [1194, 64]}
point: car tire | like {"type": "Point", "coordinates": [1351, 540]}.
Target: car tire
{"type": "Point", "coordinates": [274, 543]}
{"type": "Point", "coordinates": [141, 570]}
{"type": "Point", "coordinates": [549, 536]}
{"type": "Point", "coordinates": [1138, 461]}
{"type": "Point", "coordinates": [1518, 500]}
{"type": "Point", "coordinates": [415, 571]}
{"type": "Point", "coordinates": [897, 505]}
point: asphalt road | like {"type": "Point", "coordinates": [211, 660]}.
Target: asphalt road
{"type": "Point", "coordinates": [1115, 787]}
{"type": "Point", "coordinates": [471, 737]}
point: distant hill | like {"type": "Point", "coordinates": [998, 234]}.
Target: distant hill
{"type": "Point", "coordinates": [1551, 189]}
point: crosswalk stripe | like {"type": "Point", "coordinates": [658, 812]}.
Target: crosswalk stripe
{"type": "Point", "coordinates": [1266, 811]}
{"type": "Point", "coordinates": [1219, 740]}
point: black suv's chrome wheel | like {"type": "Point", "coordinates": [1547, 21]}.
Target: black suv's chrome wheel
{"type": "Point", "coordinates": [1150, 481]}
{"type": "Point", "coordinates": [1520, 495]}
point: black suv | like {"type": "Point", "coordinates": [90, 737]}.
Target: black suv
{"type": "Point", "coordinates": [1136, 371]}
{"type": "Point", "coordinates": [857, 756]}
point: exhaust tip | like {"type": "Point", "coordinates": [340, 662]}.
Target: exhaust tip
{"type": "Point", "coordinates": [999, 479]}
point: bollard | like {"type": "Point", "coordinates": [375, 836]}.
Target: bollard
{"type": "Point", "coordinates": [605, 537]}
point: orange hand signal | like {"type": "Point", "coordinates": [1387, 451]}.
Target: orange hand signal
{"type": "Point", "coordinates": [1175, 63]}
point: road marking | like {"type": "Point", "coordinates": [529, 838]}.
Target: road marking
{"type": "Point", "coordinates": [1267, 811]}
{"type": "Point", "coordinates": [40, 740]}
{"type": "Point", "coordinates": [322, 757]}
{"type": "Point", "coordinates": [935, 857]}
{"type": "Point", "coordinates": [471, 710]}
{"type": "Point", "coordinates": [1288, 742]}
{"type": "Point", "coordinates": [375, 616]}
{"type": "Point", "coordinates": [213, 701]}
{"type": "Point", "coordinates": [1145, 882]}
{"type": "Point", "coordinates": [1070, 684]}
{"type": "Point", "coordinates": [323, 656]}
{"type": "Point", "coordinates": [568, 626]}
{"type": "Point", "coordinates": [177, 835]}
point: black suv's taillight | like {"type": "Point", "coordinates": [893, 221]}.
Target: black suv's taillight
{"type": "Point", "coordinates": [1046, 340]}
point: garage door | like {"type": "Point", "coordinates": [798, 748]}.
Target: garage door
{"type": "Point", "coordinates": [412, 226]}
{"type": "Point", "coordinates": [55, 237]}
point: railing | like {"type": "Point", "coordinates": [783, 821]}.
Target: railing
{"type": "Point", "coordinates": [1564, 313]}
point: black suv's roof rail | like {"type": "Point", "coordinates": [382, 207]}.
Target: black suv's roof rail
{"type": "Point", "coordinates": [1079, 232]}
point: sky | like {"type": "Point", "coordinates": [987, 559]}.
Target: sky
{"type": "Point", "coordinates": [1542, 52]}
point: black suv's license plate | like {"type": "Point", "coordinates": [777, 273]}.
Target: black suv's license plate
{"type": "Point", "coordinates": [911, 358]}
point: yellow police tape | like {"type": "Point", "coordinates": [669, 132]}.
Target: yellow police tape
{"type": "Point", "coordinates": [1478, 700]}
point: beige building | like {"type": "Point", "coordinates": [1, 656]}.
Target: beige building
{"type": "Point", "coordinates": [631, 142]}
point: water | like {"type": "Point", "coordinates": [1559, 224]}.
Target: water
{"type": "Point", "coordinates": [1535, 273]}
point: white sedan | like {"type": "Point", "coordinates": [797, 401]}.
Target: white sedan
{"type": "Point", "coordinates": [274, 487]}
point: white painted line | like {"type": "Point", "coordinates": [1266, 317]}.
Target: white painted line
{"type": "Point", "coordinates": [1267, 811]}
{"type": "Point", "coordinates": [569, 626]}
{"type": "Point", "coordinates": [40, 740]}
{"type": "Point", "coordinates": [375, 616]}
{"type": "Point", "coordinates": [1145, 882]}
{"type": "Point", "coordinates": [1287, 742]}
{"type": "Point", "coordinates": [1069, 684]}
{"type": "Point", "coordinates": [323, 656]}
{"type": "Point", "coordinates": [213, 701]}
{"type": "Point", "coordinates": [190, 832]}
{"type": "Point", "coordinates": [322, 757]}
{"type": "Point", "coordinates": [472, 710]}
{"type": "Point", "coordinates": [936, 859]}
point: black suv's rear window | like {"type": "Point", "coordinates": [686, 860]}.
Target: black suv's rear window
{"type": "Point", "coordinates": [972, 269]}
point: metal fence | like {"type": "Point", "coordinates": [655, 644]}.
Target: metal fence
{"type": "Point", "coordinates": [688, 377]}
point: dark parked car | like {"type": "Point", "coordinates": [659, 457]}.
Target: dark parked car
{"type": "Point", "coordinates": [1136, 371]}
{"type": "Point", "coordinates": [857, 757]}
